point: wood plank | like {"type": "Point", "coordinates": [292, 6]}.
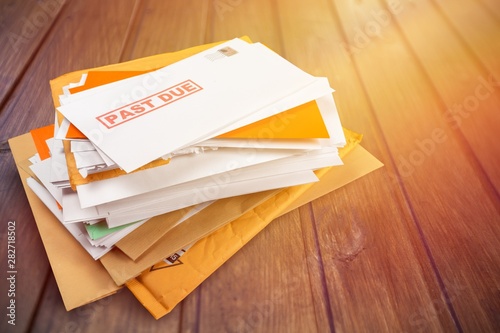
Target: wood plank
{"type": "Point", "coordinates": [156, 24]}
{"type": "Point", "coordinates": [265, 286]}
{"type": "Point", "coordinates": [491, 7]}
{"type": "Point", "coordinates": [23, 27]}
{"type": "Point", "coordinates": [117, 313]}
{"type": "Point", "coordinates": [362, 254]}
{"type": "Point", "coordinates": [190, 309]}
{"type": "Point", "coordinates": [378, 276]}
{"type": "Point", "coordinates": [468, 84]}
{"type": "Point", "coordinates": [230, 19]}
{"type": "Point", "coordinates": [476, 29]}
{"type": "Point", "coordinates": [31, 272]}
{"type": "Point", "coordinates": [410, 118]}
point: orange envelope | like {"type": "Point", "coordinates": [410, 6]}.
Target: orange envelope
{"type": "Point", "coordinates": [40, 135]}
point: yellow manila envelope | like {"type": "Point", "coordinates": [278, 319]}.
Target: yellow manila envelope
{"type": "Point", "coordinates": [161, 287]}
{"type": "Point", "coordinates": [122, 268]}
{"type": "Point", "coordinates": [143, 247]}
{"type": "Point", "coordinates": [75, 267]}
{"type": "Point", "coordinates": [149, 233]}
{"type": "Point", "coordinates": [141, 250]}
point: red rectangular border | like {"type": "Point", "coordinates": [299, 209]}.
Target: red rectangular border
{"type": "Point", "coordinates": [98, 118]}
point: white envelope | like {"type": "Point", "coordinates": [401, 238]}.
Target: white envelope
{"type": "Point", "coordinates": [181, 169]}
{"type": "Point", "coordinates": [81, 145]}
{"type": "Point", "coordinates": [330, 116]}
{"type": "Point", "coordinates": [309, 161]}
{"type": "Point", "coordinates": [187, 198]}
{"type": "Point", "coordinates": [246, 180]}
{"type": "Point", "coordinates": [197, 98]}
{"type": "Point", "coordinates": [42, 169]}
{"type": "Point", "coordinates": [59, 171]}
{"type": "Point", "coordinates": [274, 174]}
{"type": "Point", "coordinates": [85, 159]}
{"type": "Point", "coordinates": [72, 212]}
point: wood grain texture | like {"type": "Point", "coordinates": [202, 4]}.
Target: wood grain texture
{"type": "Point", "coordinates": [412, 247]}
{"type": "Point", "coordinates": [24, 25]}
{"type": "Point", "coordinates": [347, 236]}
{"type": "Point", "coordinates": [406, 126]}
{"type": "Point", "coordinates": [491, 7]}
{"type": "Point", "coordinates": [119, 313]}
{"type": "Point", "coordinates": [466, 82]}
{"type": "Point", "coordinates": [166, 26]}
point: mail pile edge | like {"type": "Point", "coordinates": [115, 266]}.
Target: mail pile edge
{"type": "Point", "coordinates": [142, 153]}
{"type": "Point", "coordinates": [231, 120]}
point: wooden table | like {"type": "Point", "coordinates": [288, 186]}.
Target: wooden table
{"type": "Point", "coordinates": [411, 247]}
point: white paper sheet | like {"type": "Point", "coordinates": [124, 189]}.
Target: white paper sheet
{"type": "Point", "coordinates": [181, 169]}
{"type": "Point", "coordinates": [75, 229]}
{"type": "Point", "coordinates": [214, 192]}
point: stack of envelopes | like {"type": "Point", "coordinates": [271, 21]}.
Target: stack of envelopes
{"type": "Point", "coordinates": [174, 155]}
